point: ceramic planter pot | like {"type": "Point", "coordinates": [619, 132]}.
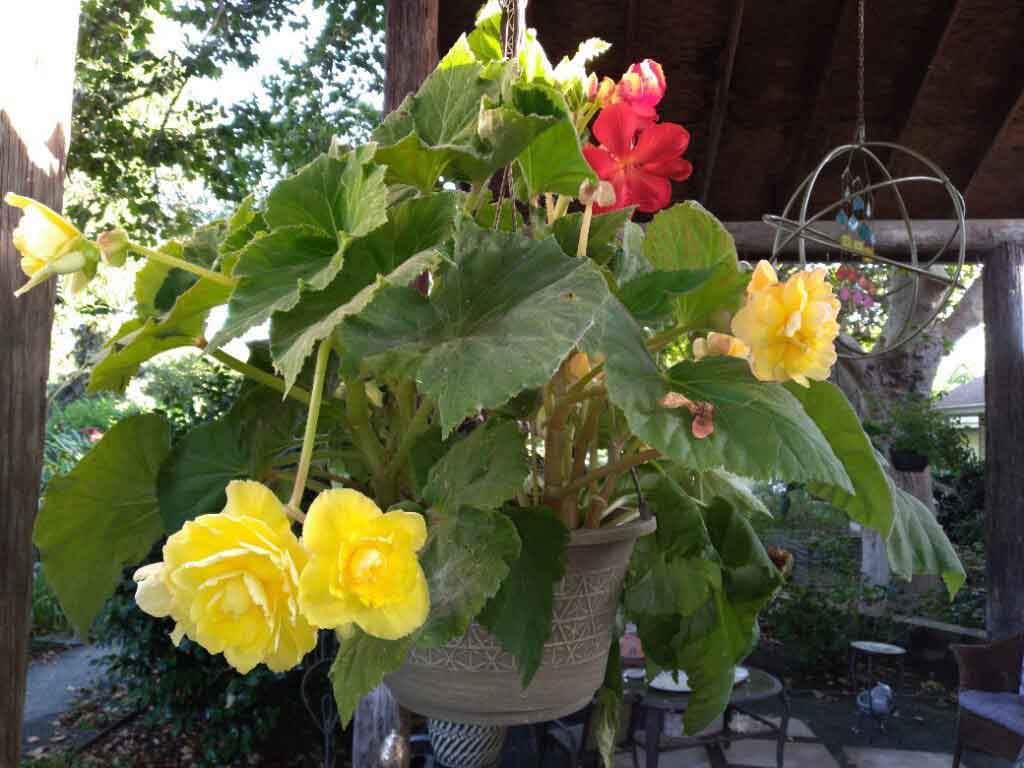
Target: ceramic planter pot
{"type": "Point", "coordinates": [473, 679]}
{"type": "Point", "coordinates": [908, 461]}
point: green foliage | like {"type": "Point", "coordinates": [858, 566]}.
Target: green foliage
{"type": "Point", "coordinates": [71, 430]}
{"type": "Point", "coordinates": [505, 315]}
{"type": "Point", "coordinates": [960, 502]}
{"type": "Point", "coordinates": [520, 614]}
{"type": "Point", "coordinates": [467, 557]}
{"type": "Point", "coordinates": [190, 390]}
{"type": "Point", "coordinates": [915, 425]}
{"type": "Point", "coordinates": [186, 690]}
{"type": "Point", "coordinates": [102, 516]}
{"type": "Point", "coordinates": [47, 616]}
{"type": "Point", "coordinates": [483, 470]}
{"type": "Point", "coordinates": [360, 666]}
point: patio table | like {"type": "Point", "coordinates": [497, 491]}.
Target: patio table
{"type": "Point", "coordinates": [651, 707]}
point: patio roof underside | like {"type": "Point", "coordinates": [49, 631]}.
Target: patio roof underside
{"type": "Point", "coordinates": [944, 77]}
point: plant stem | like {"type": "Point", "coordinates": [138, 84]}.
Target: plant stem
{"type": "Point", "coordinates": [260, 377]}
{"type": "Point", "coordinates": [309, 438]}
{"type": "Point", "coordinates": [662, 339]}
{"type": "Point", "coordinates": [415, 428]}
{"type": "Point", "coordinates": [357, 413]}
{"type": "Point", "coordinates": [474, 197]}
{"type": "Point", "coordinates": [174, 261]}
{"type": "Point", "coordinates": [623, 465]}
{"type": "Point", "coordinates": [588, 215]}
{"type": "Point", "coordinates": [562, 206]}
{"type": "Point", "coordinates": [549, 206]}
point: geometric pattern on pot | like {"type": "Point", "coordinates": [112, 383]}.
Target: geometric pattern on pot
{"type": "Point", "coordinates": [581, 615]}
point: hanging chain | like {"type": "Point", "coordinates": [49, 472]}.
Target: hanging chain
{"type": "Point", "coordinates": [514, 34]}
{"type": "Point", "coordinates": [861, 121]}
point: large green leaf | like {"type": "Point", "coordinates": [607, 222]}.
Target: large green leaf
{"type": "Point", "coordinates": [139, 340]}
{"type": "Point", "coordinates": [202, 463]}
{"type": "Point", "coordinates": [102, 516]}
{"type": "Point", "coordinates": [695, 591]}
{"type": "Point", "coordinates": [468, 555]}
{"type": "Point", "coordinates": [503, 318]}
{"type": "Point", "coordinates": [554, 162]}
{"type": "Point", "coordinates": [871, 504]}
{"type": "Point", "coordinates": [686, 236]}
{"type": "Point", "coordinates": [520, 614]}
{"type": "Point", "coordinates": [761, 430]}
{"type": "Point", "coordinates": [604, 233]}
{"type": "Point", "coordinates": [158, 286]}
{"type": "Point", "coordinates": [393, 254]}
{"type": "Point", "coordinates": [314, 215]}
{"type": "Point", "coordinates": [650, 297]}
{"type": "Point", "coordinates": [918, 545]}
{"type": "Point", "coordinates": [360, 666]}
{"type": "Point", "coordinates": [484, 470]}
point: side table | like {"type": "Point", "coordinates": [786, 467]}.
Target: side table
{"type": "Point", "coordinates": [652, 706]}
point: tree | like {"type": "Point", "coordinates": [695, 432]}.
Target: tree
{"type": "Point", "coordinates": [137, 128]}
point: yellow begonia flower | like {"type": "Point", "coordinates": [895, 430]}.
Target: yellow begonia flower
{"type": "Point", "coordinates": [49, 245]}
{"type": "Point", "coordinates": [789, 327]}
{"type": "Point", "coordinates": [231, 582]}
{"type": "Point", "coordinates": [363, 568]}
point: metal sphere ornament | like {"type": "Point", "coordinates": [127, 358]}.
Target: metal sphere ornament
{"type": "Point", "coordinates": [847, 229]}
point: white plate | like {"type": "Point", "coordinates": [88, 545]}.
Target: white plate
{"type": "Point", "coordinates": [667, 681]}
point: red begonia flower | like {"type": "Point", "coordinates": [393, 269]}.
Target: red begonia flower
{"type": "Point", "coordinates": [638, 160]}
{"type": "Point", "coordinates": [642, 87]}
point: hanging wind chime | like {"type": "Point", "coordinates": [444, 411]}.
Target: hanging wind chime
{"type": "Point", "coordinates": [868, 283]}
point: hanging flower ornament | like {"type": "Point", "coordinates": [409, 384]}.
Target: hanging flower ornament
{"type": "Point", "coordinates": [495, 370]}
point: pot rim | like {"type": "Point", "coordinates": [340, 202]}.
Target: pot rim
{"type": "Point", "coordinates": [589, 537]}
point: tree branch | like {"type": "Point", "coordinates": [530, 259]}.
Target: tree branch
{"type": "Point", "coordinates": [966, 315]}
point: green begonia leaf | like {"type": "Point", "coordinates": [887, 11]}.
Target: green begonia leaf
{"type": "Point", "coordinates": [360, 666]}
{"type": "Point", "coordinates": [415, 228]}
{"type": "Point", "coordinates": [686, 236]}
{"type": "Point", "coordinates": [199, 468]}
{"type": "Point", "coordinates": [502, 320]}
{"type": "Point", "coordinates": [467, 556]}
{"type": "Point", "coordinates": [102, 516]}
{"type": "Point", "coordinates": [484, 470]}
{"type": "Point", "coordinates": [554, 162]}
{"type": "Point", "coordinates": [918, 545]}
{"type": "Point", "coordinates": [158, 286]}
{"type": "Point", "coordinates": [649, 297]}
{"type": "Point", "coordinates": [872, 502]}
{"type": "Point", "coordinates": [139, 340]}
{"type": "Point", "coordinates": [314, 215]}
{"type": "Point", "coordinates": [520, 614]}
{"type": "Point", "coordinates": [604, 230]}
{"type": "Point", "coordinates": [760, 430]}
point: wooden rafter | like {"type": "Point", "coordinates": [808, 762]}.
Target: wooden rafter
{"type": "Point", "coordinates": [1012, 116]}
{"type": "Point", "coordinates": [817, 83]}
{"type": "Point", "coordinates": [722, 98]}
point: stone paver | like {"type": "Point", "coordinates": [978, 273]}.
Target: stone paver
{"type": "Point", "coordinates": [869, 757]}
{"type": "Point", "coordinates": [689, 758]}
{"type": "Point", "coordinates": [797, 728]}
{"type": "Point", "coordinates": [52, 686]}
{"type": "Point", "coordinates": [760, 753]}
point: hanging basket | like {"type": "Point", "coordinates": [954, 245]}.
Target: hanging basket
{"type": "Point", "coordinates": [473, 679]}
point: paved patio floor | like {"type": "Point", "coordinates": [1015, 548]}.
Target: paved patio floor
{"type": "Point", "coordinates": [921, 736]}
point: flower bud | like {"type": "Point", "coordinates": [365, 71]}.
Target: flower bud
{"type": "Point", "coordinates": [602, 193]}
{"type": "Point", "coordinates": [113, 245]}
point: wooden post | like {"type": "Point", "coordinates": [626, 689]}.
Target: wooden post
{"type": "Point", "coordinates": [411, 53]}
{"type": "Point", "coordinates": [37, 55]}
{"type": "Point", "coordinates": [410, 49]}
{"type": "Point", "coordinates": [1004, 439]}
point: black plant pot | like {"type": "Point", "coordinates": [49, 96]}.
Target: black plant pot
{"type": "Point", "coordinates": [908, 461]}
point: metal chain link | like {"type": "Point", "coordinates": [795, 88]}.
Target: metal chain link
{"type": "Point", "coordinates": [861, 121]}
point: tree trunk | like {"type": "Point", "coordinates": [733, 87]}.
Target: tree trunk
{"type": "Point", "coordinates": [37, 54]}
{"type": "Point", "coordinates": [1004, 456]}
{"type": "Point", "coordinates": [411, 48]}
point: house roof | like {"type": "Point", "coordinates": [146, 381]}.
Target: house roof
{"type": "Point", "coordinates": [944, 77]}
{"type": "Point", "coordinates": [966, 400]}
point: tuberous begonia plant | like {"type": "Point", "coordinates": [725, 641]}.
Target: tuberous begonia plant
{"type": "Point", "coordinates": [473, 351]}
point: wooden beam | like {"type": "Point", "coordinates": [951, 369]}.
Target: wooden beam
{"type": "Point", "coordinates": [823, 61]}
{"type": "Point", "coordinates": [721, 98]}
{"type": "Point", "coordinates": [410, 49]}
{"type": "Point", "coordinates": [35, 126]}
{"type": "Point", "coordinates": [1004, 440]}
{"type": "Point", "coordinates": [912, 93]}
{"type": "Point", "coordinates": [755, 238]}
{"type": "Point", "coordinates": [1004, 130]}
